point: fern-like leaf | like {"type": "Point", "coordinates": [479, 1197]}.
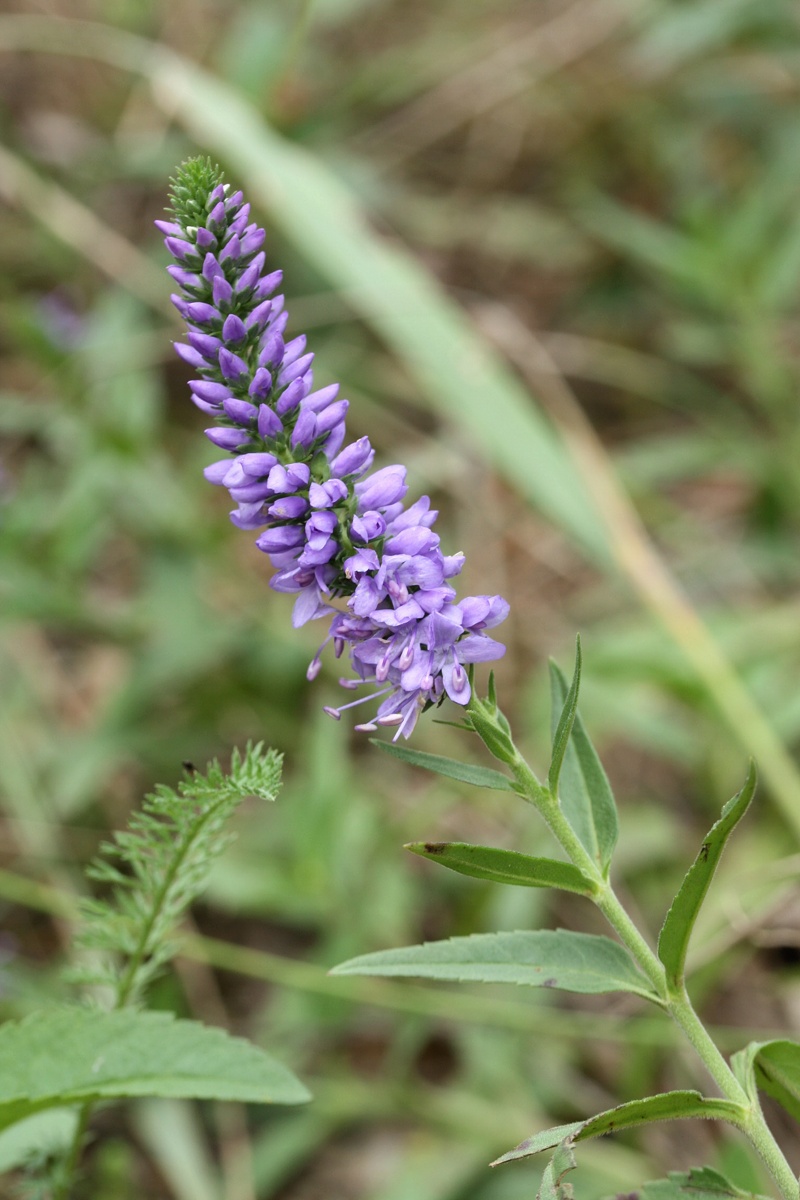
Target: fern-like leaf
{"type": "Point", "coordinates": [158, 866]}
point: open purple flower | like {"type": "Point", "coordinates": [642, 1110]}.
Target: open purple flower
{"type": "Point", "coordinates": [340, 539]}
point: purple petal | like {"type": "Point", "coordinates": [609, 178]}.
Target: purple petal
{"type": "Point", "coordinates": [240, 411]}
{"type": "Point", "coordinates": [214, 393]}
{"type": "Point", "coordinates": [202, 313]}
{"type": "Point", "coordinates": [269, 423]}
{"type": "Point", "coordinates": [226, 439]}
{"type": "Point", "coordinates": [262, 383]}
{"type": "Point", "coordinates": [215, 472]}
{"type": "Point", "coordinates": [221, 290]}
{"type": "Point", "coordinates": [257, 464]}
{"type": "Point", "coordinates": [190, 356]}
{"type": "Point", "coordinates": [232, 366]}
{"type": "Point", "coordinates": [353, 458]}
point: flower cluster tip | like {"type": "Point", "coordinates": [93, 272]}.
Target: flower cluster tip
{"type": "Point", "coordinates": [334, 530]}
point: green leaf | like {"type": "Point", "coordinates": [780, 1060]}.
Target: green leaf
{"type": "Point", "coordinates": [673, 940]}
{"type": "Point", "coordinates": [485, 777]}
{"type": "Point", "coordinates": [505, 866]}
{"type": "Point", "coordinates": [562, 1162]}
{"type": "Point", "coordinates": [72, 1055]}
{"type": "Point", "coordinates": [576, 962]}
{"type": "Point", "coordinates": [565, 723]}
{"type": "Point", "coordinates": [775, 1068]}
{"type": "Point", "coordinates": [585, 793]}
{"type": "Point", "coordinates": [700, 1183]}
{"type": "Point", "coordinates": [45, 1135]}
{"type": "Point", "coordinates": [667, 1106]}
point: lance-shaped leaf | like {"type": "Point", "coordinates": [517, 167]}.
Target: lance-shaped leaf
{"type": "Point", "coordinates": [576, 962]}
{"type": "Point", "coordinates": [775, 1068]}
{"type": "Point", "coordinates": [565, 723]}
{"type": "Point", "coordinates": [478, 776]}
{"type": "Point", "coordinates": [505, 866]}
{"type": "Point", "coordinates": [667, 1106]}
{"type": "Point", "coordinates": [585, 793]}
{"type": "Point", "coordinates": [73, 1055]}
{"type": "Point", "coordinates": [673, 940]}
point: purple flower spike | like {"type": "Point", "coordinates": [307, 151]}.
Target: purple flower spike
{"type": "Point", "coordinates": [333, 533]}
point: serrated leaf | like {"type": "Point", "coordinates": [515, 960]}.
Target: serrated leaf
{"type": "Point", "coordinates": [775, 1068]}
{"type": "Point", "coordinates": [478, 776]}
{"type": "Point", "coordinates": [667, 1106]}
{"type": "Point", "coordinates": [700, 1183]}
{"type": "Point", "coordinates": [505, 866]}
{"type": "Point", "coordinates": [673, 940]}
{"type": "Point", "coordinates": [72, 1055]}
{"type": "Point", "coordinates": [585, 793]}
{"type": "Point", "coordinates": [576, 962]}
{"type": "Point", "coordinates": [565, 722]}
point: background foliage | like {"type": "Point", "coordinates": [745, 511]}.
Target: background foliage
{"type": "Point", "coordinates": [552, 252]}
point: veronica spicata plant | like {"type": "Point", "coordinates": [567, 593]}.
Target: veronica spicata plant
{"type": "Point", "coordinates": [341, 539]}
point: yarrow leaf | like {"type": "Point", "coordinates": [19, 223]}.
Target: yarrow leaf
{"type": "Point", "coordinates": [673, 941]}
{"type": "Point", "coordinates": [72, 1056]}
{"type": "Point", "coordinates": [164, 858]}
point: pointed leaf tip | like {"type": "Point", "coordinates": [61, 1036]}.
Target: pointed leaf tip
{"type": "Point", "coordinates": [505, 866]}
{"type": "Point", "coordinates": [574, 962]}
{"type": "Point", "coordinates": [583, 789]}
{"type": "Point", "coordinates": [565, 721]}
{"type": "Point", "coordinates": [673, 941]}
{"type": "Point", "coordinates": [472, 773]}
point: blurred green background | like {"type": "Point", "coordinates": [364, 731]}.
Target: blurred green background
{"type": "Point", "coordinates": [552, 252]}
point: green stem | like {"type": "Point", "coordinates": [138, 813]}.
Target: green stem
{"type": "Point", "coordinates": [70, 1167]}
{"type": "Point", "coordinates": [676, 1003]}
